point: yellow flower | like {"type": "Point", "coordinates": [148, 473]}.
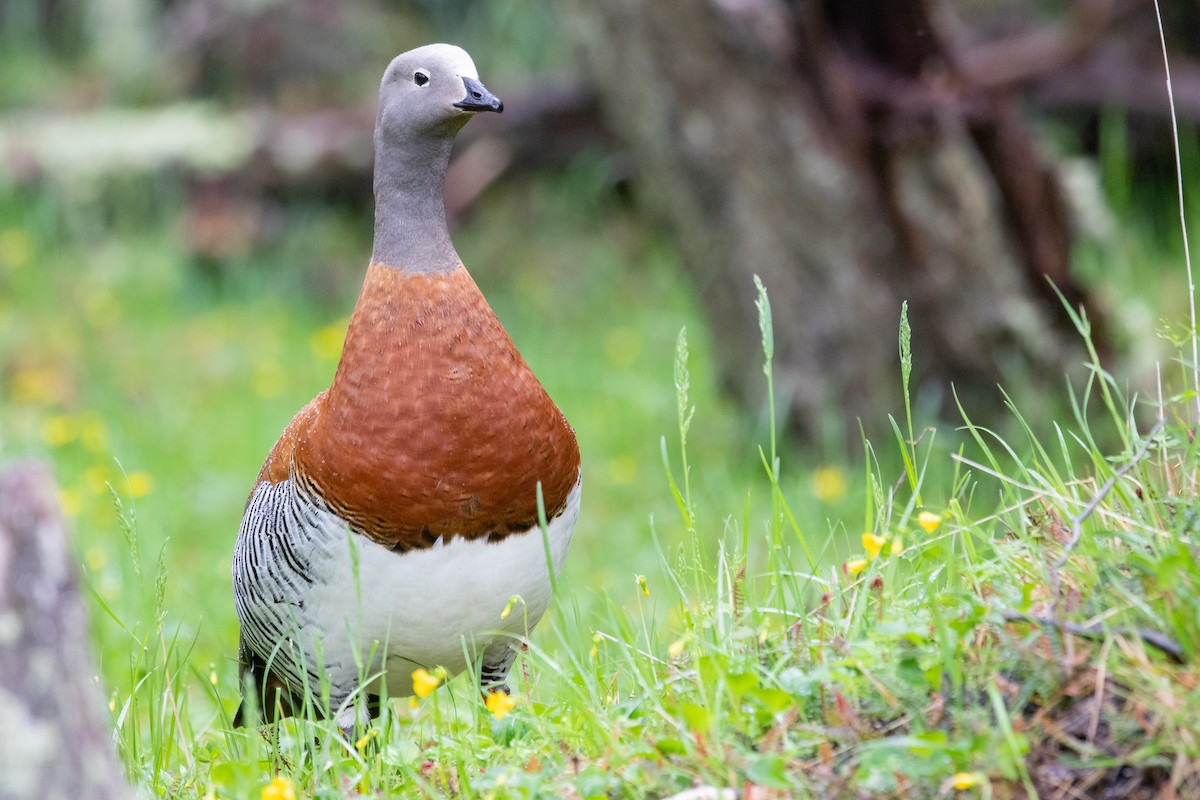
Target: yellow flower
{"type": "Point", "coordinates": [499, 703]}
{"type": "Point", "coordinates": [828, 484]}
{"type": "Point", "coordinates": [95, 558]}
{"type": "Point", "coordinates": [929, 521]}
{"type": "Point", "coordinates": [68, 499]}
{"type": "Point", "coordinates": [326, 343]}
{"type": "Point", "coordinates": [96, 479]}
{"type": "Point", "coordinates": [512, 603]}
{"type": "Point", "coordinates": [873, 544]}
{"type": "Point", "coordinates": [856, 565]}
{"type": "Point", "coordinates": [424, 682]}
{"type": "Point", "coordinates": [965, 780]}
{"type": "Point", "coordinates": [94, 436]}
{"type": "Point", "coordinates": [641, 582]}
{"type": "Point", "coordinates": [897, 546]}
{"type": "Point", "coordinates": [280, 788]}
{"type": "Point", "coordinates": [140, 484]}
{"type": "Point", "coordinates": [60, 430]}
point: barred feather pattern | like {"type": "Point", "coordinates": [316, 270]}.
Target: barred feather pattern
{"type": "Point", "coordinates": [279, 547]}
{"type": "Point", "coordinates": [318, 602]}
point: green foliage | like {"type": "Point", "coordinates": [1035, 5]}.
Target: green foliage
{"type": "Point", "coordinates": [915, 672]}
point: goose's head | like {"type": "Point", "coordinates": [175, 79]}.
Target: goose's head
{"type": "Point", "coordinates": [431, 92]}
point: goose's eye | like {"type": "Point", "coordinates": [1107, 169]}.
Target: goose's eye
{"type": "Point", "coordinates": [420, 77]}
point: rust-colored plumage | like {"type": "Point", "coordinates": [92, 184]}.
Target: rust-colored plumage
{"type": "Point", "coordinates": [434, 426]}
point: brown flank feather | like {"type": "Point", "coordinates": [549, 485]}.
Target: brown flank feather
{"type": "Point", "coordinates": [434, 426]}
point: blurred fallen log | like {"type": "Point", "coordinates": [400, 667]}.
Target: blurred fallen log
{"type": "Point", "coordinates": [1112, 77]}
{"type": "Point", "coordinates": [1014, 60]}
{"type": "Point", "coordinates": [1104, 55]}
{"type": "Point", "coordinates": [238, 165]}
{"type": "Point", "coordinates": [54, 744]}
{"type": "Point", "coordinates": [1089, 54]}
{"type": "Point", "coordinates": [544, 124]}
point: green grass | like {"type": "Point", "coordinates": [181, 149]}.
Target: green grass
{"type": "Point", "coordinates": [711, 627]}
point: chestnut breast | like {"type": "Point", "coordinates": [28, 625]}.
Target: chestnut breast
{"type": "Point", "coordinates": [434, 426]}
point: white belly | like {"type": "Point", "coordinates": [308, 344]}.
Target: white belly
{"type": "Point", "coordinates": [370, 609]}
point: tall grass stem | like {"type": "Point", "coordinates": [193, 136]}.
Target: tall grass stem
{"type": "Point", "coordinates": [1187, 254]}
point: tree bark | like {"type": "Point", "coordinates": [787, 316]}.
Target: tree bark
{"type": "Point", "coordinates": [53, 741]}
{"type": "Point", "coordinates": [835, 150]}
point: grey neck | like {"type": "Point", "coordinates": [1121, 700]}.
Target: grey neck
{"type": "Point", "coordinates": [410, 211]}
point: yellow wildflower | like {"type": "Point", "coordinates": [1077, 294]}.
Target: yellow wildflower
{"type": "Point", "coordinates": [60, 430]}
{"type": "Point", "coordinates": [499, 703]}
{"type": "Point", "coordinates": [828, 484]}
{"type": "Point", "coordinates": [855, 566]}
{"type": "Point", "coordinates": [873, 544]}
{"type": "Point", "coordinates": [641, 582]}
{"type": "Point", "coordinates": [897, 546]}
{"type": "Point", "coordinates": [95, 558]}
{"type": "Point", "coordinates": [280, 788]}
{"type": "Point", "coordinates": [94, 435]}
{"type": "Point", "coordinates": [965, 780]}
{"type": "Point", "coordinates": [68, 499]}
{"type": "Point", "coordinates": [140, 484]}
{"type": "Point", "coordinates": [96, 479]}
{"type": "Point", "coordinates": [929, 521]}
{"type": "Point", "coordinates": [424, 682]}
{"type": "Point", "coordinates": [326, 343]}
{"type": "Point", "coordinates": [512, 603]}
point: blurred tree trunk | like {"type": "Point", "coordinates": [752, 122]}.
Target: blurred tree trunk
{"type": "Point", "coordinates": [53, 742]}
{"type": "Point", "coordinates": [835, 150]}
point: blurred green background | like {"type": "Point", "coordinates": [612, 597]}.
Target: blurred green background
{"type": "Point", "coordinates": [184, 223]}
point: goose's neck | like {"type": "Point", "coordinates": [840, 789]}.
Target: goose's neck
{"type": "Point", "coordinates": [410, 212]}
